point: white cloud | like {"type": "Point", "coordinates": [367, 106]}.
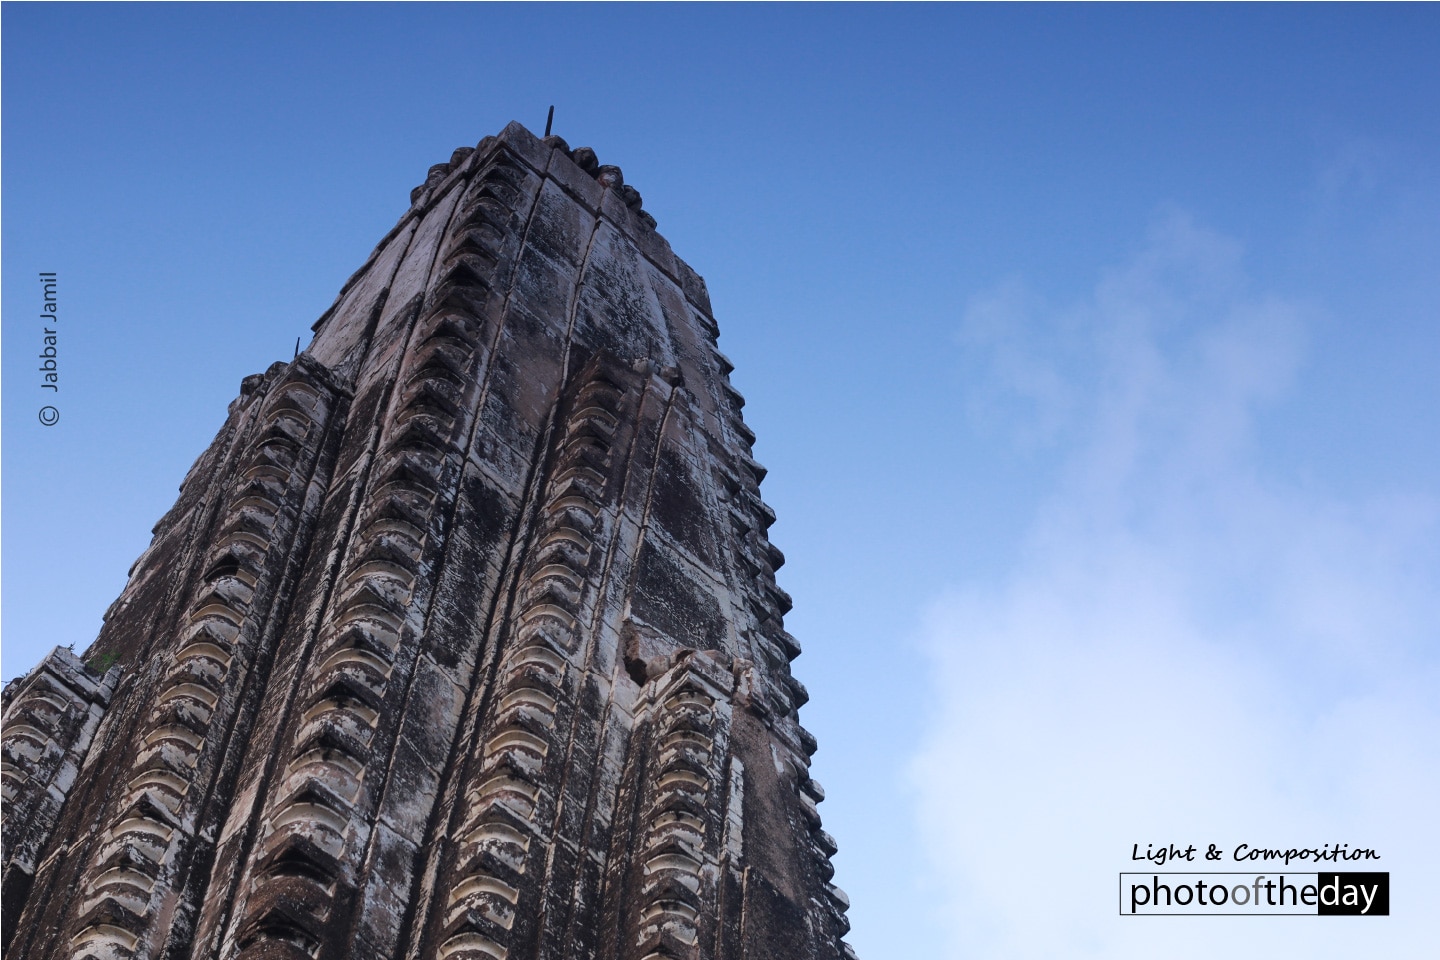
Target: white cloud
{"type": "Point", "coordinates": [1196, 648]}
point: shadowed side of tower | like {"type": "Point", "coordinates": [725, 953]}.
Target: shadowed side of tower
{"type": "Point", "coordinates": [462, 641]}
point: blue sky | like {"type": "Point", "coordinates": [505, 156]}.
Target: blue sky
{"type": "Point", "coordinates": [1092, 351]}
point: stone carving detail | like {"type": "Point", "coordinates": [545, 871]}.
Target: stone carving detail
{"type": "Point", "coordinates": [505, 828]}
{"type": "Point", "coordinates": [316, 824]}
{"type": "Point", "coordinates": [678, 862]}
{"type": "Point", "coordinates": [50, 718]}
{"type": "Point", "coordinates": [463, 640]}
{"type": "Point", "coordinates": [155, 814]}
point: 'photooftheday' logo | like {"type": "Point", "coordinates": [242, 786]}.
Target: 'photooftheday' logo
{"type": "Point", "coordinates": [1216, 894]}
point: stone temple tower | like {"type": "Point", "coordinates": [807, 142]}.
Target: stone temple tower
{"type": "Point", "coordinates": [462, 641]}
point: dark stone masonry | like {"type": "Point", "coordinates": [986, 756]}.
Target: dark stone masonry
{"type": "Point", "coordinates": [462, 641]}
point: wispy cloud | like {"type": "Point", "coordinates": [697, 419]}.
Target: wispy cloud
{"type": "Point", "coordinates": [1196, 648]}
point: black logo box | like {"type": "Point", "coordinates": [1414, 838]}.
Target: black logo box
{"type": "Point", "coordinates": [1380, 907]}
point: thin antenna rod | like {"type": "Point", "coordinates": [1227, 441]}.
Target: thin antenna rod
{"type": "Point", "coordinates": [549, 119]}
{"type": "Point", "coordinates": [297, 348]}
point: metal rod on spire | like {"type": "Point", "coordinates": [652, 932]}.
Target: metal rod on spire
{"type": "Point", "coordinates": [549, 119]}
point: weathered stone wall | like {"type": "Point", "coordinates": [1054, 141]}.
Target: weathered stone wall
{"type": "Point", "coordinates": [50, 717]}
{"type": "Point", "coordinates": [463, 639]}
